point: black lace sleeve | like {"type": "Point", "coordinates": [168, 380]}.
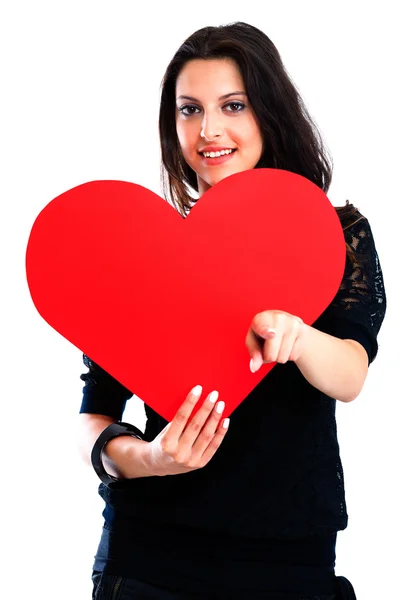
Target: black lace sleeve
{"type": "Point", "coordinates": [359, 307]}
{"type": "Point", "coordinates": [102, 393]}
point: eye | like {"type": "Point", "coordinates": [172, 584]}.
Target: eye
{"type": "Point", "coordinates": [239, 104]}
{"type": "Point", "coordinates": [240, 107]}
{"type": "Point", "coordinates": [186, 107]}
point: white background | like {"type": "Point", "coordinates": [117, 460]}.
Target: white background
{"type": "Point", "coordinates": [79, 101]}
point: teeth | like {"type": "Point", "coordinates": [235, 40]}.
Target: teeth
{"type": "Point", "coordinates": [216, 154]}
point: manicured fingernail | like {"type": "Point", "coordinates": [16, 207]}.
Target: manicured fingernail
{"type": "Point", "coordinates": [253, 367]}
{"type": "Point", "coordinates": [220, 407]}
{"type": "Point", "coordinates": [196, 391]}
{"type": "Point", "coordinates": [213, 396]}
{"type": "Point", "coordinates": [225, 423]}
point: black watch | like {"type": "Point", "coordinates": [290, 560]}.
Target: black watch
{"type": "Point", "coordinates": [112, 431]}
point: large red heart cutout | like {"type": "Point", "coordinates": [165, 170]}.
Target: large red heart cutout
{"type": "Point", "coordinates": [163, 302]}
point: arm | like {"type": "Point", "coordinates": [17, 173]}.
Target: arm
{"type": "Point", "coordinates": [336, 367]}
{"type": "Point", "coordinates": [124, 457]}
{"type": "Point", "coordinates": [103, 403]}
{"type": "Point", "coordinates": [334, 354]}
{"type": "Point", "coordinates": [341, 344]}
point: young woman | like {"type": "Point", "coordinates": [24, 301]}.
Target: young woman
{"type": "Point", "coordinates": [249, 511]}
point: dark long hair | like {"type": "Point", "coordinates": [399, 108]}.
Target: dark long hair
{"type": "Point", "coordinates": [291, 139]}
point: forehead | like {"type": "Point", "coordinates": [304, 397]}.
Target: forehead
{"type": "Point", "coordinates": [200, 76]}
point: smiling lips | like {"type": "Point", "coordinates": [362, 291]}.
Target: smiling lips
{"type": "Point", "coordinates": [217, 160]}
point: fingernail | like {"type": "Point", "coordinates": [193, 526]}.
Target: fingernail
{"type": "Point", "coordinates": [225, 423]}
{"type": "Point", "coordinates": [253, 367]}
{"type": "Point", "coordinates": [213, 396]}
{"type": "Point", "coordinates": [196, 391]}
{"type": "Point", "coordinates": [220, 407]}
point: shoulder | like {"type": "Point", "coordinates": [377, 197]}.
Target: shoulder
{"type": "Point", "coordinates": [351, 217]}
{"type": "Point", "coordinates": [358, 236]}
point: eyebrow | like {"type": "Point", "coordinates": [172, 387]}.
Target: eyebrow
{"type": "Point", "coordinates": [222, 97]}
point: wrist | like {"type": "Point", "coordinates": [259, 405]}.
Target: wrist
{"type": "Point", "coordinates": [145, 458]}
{"type": "Point", "coordinates": [124, 455]}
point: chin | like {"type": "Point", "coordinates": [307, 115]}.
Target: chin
{"type": "Point", "coordinates": [215, 178]}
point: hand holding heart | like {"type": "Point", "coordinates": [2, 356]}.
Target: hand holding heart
{"type": "Point", "coordinates": [185, 445]}
{"type": "Point", "coordinates": [275, 336]}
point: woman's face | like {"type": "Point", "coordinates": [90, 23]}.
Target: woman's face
{"type": "Point", "coordinates": [225, 122]}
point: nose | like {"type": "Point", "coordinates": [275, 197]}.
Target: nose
{"type": "Point", "coordinates": [211, 127]}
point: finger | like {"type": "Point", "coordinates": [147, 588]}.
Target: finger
{"type": "Point", "coordinates": [289, 340]}
{"type": "Point", "coordinates": [178, 423]}
{"type": "Point", "coordinates": [297, 349]}
{"type": "Point", "coordinates": [255, 347]}
{"type": "Point", "coordinates": [286, 346]}
{"type": "Point", "coordinates": [215, 441]}
{"type": "Point", "coordinates": [208, 430]}
{"type": "Point", "coordinates": [272, 347]}
{"type": "Point", "coordinates": [263, 323]}
{"type": "Point", "coordinates": [194, 428]}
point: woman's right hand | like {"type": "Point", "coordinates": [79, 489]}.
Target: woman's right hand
{"type": "Point", "coordinates": [181, 446]}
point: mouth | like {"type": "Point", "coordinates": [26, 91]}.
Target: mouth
{"type": "Point", "coordinates": [217, 160]}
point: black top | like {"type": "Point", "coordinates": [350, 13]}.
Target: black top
{"type": "Point", "coordinates": [277, 474]}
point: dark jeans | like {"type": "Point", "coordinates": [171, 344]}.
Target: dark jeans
{"type": "Point", "coordinates": [116, 587]}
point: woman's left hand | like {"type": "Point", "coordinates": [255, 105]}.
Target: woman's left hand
{"type": "Point", "coordinates": [275, 336]}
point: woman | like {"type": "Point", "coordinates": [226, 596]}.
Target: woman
{"type": "Point", "coordinates": [251, 510]}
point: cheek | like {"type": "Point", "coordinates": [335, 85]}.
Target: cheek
{"type": "Point", "coordinates": [186, 139]}
{"type": "Point", "coordinates": [247, 134]}
{"type": "Point", "coordinates": [254, 135]}
{"type": "Point", "coordinates": [187, 143]}
{"type": "Point", "coordinates": [181, 127]}
{"type": "Point", "coordinates": [180, 134]}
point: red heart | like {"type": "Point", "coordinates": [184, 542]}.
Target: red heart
{"type": "Point", "coordinates": [164, 303]}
